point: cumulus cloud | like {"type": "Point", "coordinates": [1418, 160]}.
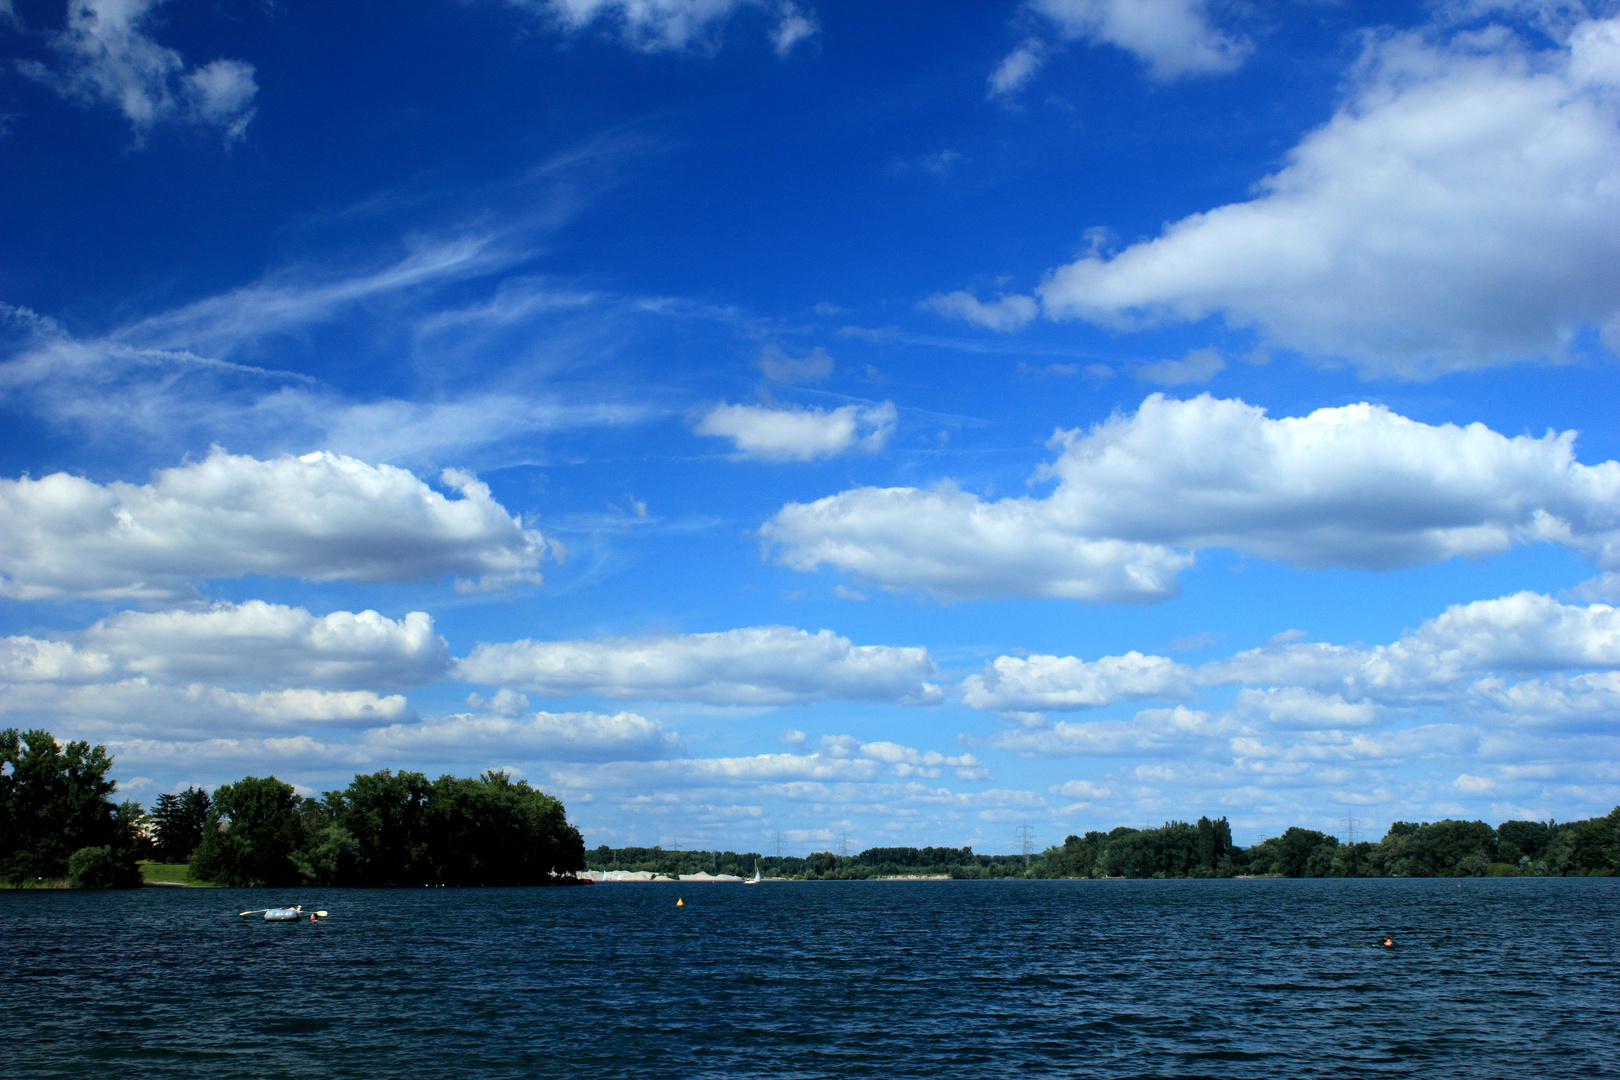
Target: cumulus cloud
{"type": "Point", "coordinates": [141, 707]}
{"type": "Point", "coordinates": [955, 546]}
{"type": "Point", "coordinates": [106, 57]}
{"type": "Point", "coordinates": [1004, 314]}
{"type": "Point", "coordinates": [1066, 682]}
{"type": "Point", "coordinates": [1518, 694]}
{"type": "Point", "coordinates": [272, 645]}
{"type": "Point", "coordinates": [761, 665]}
{"type": "Point", "coordinates": [794, 434]}
{"type": "Point", "coordinates": [1461, 209]}
{"type": "Point", "coordinates": [1356, 486]}
{"type": "Point", "coordinates": [253, 643]}
{"type": "Point", "coordinates": [1522, 687]}
{"type": "Point", "coordinates": [1173, 37]}
{"type": "Point", "coordinates": [321, 517]}
{"type": "Point", "coordinates": [667, 25]}
{"type": "Point", "coordinates": [29, 659]}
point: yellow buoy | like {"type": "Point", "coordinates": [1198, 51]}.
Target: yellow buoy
{"type": "Point", "coordinates": [680, 903]}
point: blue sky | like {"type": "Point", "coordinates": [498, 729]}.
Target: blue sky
{"type": "Point", "coordinates": [894, 422]}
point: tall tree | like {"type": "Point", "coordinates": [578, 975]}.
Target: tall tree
{"type": "Point", "coordinates": [57, 800]}
{"type": "Point", "coordinates": [179, 821]}
{"type": "Point", "coordinates": [252, 835]}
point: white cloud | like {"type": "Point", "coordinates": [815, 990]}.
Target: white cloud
{"type": "Point", "coordinates": [1517, 634]}
{"type": "Point", "coordinates": [780, 366]}
{"type": "Point", "coordinates": [1066, 682]}
{"type": "Point", "coordinates": [108, 58]}
{"type": "Point", "coordinates": [320, 517]}
{"type": "Point", "coordinates": [1296, 708]}
{"type": "Point", "coordinates": [956, 546]}
{"type": "Point", "coordinates": [273, 645]}
{"type": "Point", "coordinates": [30, 659]}
{"type": "Point", "coordinates": [139, 707]}
{"type": "Point", "coordinates": [1461, 662]}
{"type": "Point", "coordinates": [1355, 486]}
{"type": "Point", "coordinates": [574, 736]}
{"type": "Point", "coordinates": [1198, 366]}
{"type": "Point", "coordinates": [1605, 586]}
{"type": "Point", "coordinates": [1153, 732]}
{"type": "Point", "coordinates": [1462, 208]}
{"type": "Point", "coordinates": [1003, 315]}
{"type": "Point", "coordinates": [1017, 68]}
{"type": "Point", "coordinates": [254, 644]}
{"type": "Point", "coordinates": [904, 761]}
{"type": "Point", "coordinates": [772, 770]}
{"type": "Point", "coordinates": [1174, 37]}
{"type": "Point", "coordinates": [666, 25]}
{"type": "Point", "coordinates": [759, 431]}
{"type": "Point", "coordinates": [761, 665]}
{"type": "Point", "coordinates": [1083, 789]}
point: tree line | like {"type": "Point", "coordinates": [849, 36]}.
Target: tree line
{"type": "Point", "coordinates": [1201, 849]}
{"type": "Point", "coordinates": [60, 825]}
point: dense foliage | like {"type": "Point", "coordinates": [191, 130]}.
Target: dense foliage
{"type": "Point", "coordinates": [389, 828]}
{"type": "Point", "coordinates": [57, 817]}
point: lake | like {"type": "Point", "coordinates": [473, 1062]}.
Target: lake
{"type": "Point", "coordinates": [1266, 978]}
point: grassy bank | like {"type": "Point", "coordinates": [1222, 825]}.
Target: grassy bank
{"type": "Point", "coordinates": [156, 873]}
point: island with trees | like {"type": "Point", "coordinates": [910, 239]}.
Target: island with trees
{"type": "Point", "coordinates": [61, 826]}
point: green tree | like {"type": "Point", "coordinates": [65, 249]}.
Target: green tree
{"type": "Point", "coordinates": [179, 821]}
{"type": "Point", "coordinates": [386, 815]}
{"type": "Point", "coordinates": [822, 862]}
{"type": "Point", "coordinates": [1530, 837]}
{"type": "Point", "coordinates": [491, 831]}
{"type": "Point", "coordinates": [252, 836]}
{"type": "Point", "coordinates": [55, 801]}
{"type": "Point", "coordinates": [1303, 853]}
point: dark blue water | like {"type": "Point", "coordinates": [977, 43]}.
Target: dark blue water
{"type": "Point", "coordinates": [1501, 977]}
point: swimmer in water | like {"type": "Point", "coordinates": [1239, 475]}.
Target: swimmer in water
{"type": "Point", "coordinates": [1387, 942]}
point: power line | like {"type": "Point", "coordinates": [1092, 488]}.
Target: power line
{"type": "Point", "coordinates": [843, 843]}
{"type": "Point", "coordinates": [779, 844]}
{"type": "Point", "coordinates": [1025, 836]}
